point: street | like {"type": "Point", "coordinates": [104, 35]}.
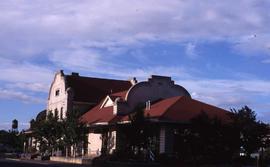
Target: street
{"type": "Point", "coordinates": [32, 163]}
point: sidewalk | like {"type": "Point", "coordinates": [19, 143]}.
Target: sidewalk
{"type": "Point", "coordinates": [46, 162]}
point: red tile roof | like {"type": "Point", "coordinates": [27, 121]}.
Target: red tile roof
{"type": "Point", "coordinates": [100, 115]}
{"type": "Point", "coordinates": [176, 109]}
{"type": "Point", "coordinates": [183, 109]}
{"type": "Point", "coordinates": [122, 95]}
{"type": "Point", "coordinates": [87, 89]}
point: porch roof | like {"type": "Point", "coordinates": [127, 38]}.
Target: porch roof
{"type": "Point", "coordinates": [100, 115]}
{"type": "Point", "coordinates": [183, 109]}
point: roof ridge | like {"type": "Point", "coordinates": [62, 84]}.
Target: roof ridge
{"type": "Point", "coordinates": [94, 89]}
{"type": "Point", "coordinates": [209, 104]}
{"type": "Point", "coordinates": [121, 91]}
{"type": "Point", "coordinates": [114, 94]}
{"type": "Point", "coordinates": [96, 78]}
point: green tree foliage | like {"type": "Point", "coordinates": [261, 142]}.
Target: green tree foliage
{"type": "Point", "coordinates": [48, 132]}
{"type": "Point", "coordinates": [207, 140]}
{"type": "Point", "coordinates": [74, 130]}
{"type": "Point", "coordinates": [138, 132]}
{"type": "Point", "coordinates": [252, 133]}
{"type": "Point", "coordinates": [53, 134]}
{"type": "Point", "coordinates": [11, 141]}
{"type": "Point", "coordinates": [137, 135]}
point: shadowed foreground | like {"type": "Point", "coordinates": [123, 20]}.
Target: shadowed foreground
{"type": "Point", "coordinates": [19, 163]}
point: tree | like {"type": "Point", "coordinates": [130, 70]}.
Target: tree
{"type": "Point", "coordinates": [11, 141]}
{"type": "Point", "coordinates": [252, 132]}
{"type": "Point", "coordinates": [207, 140]}
{"type": "Point", "coordinates": [48, 132]}
{"type": "Point", "coordinates": [53, 134]}
{"type": "Point", "coordinates": [138, 135]}
{"type": "Point", "coordinates": [74, 131]}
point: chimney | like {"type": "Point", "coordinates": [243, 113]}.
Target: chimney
{"type": "Point", "coordinates": [75, 74]}
{"type": "Point", "coordinates": [148, 105]}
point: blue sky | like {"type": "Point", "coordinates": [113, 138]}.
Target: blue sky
{"type": "Point", "coordinates": [218, 50]}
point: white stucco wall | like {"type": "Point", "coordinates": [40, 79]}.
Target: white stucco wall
{"type": "Point", "coordinates": [60, 101]}
{"type": "Point", "coordinates": [94, 144]}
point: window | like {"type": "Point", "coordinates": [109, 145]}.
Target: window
{"type": "Point", "coordinates": [56, 113]}
{"type": "Point", "coordinates": [57, 92]}
{"type": "Point", "coordinates": [49, 112]}
{"type": "Point", "coordinates": [61, 113]}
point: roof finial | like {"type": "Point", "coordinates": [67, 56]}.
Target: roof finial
{"type": "Point", "coordinates": [133, 81]}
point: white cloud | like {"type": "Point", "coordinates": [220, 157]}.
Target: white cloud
{"type": "Point", "coordinates": [13, 71]}
{"type": "Point", "coordinates": [70, 35]}
{"type": "Point", "coordinates": [76, 58]}
{"type": "Point", "coordinates": [159, 70]}
{"type": "Point", "coordinates": [228, 93]}
{"type": "Point", "coordinates": [191, 50]}
{"type": "Point", "coordinates": [144, 72]}
{"type": "Point", "coordinates": [257, 44]}
{"type": "Point", "coordinates": [23, 81]}
{"type": "Point", "coordinates": [21, 96]}
{"type": "Point", "coordinates": [36, 87]}
{"type": "Point", "coordinates": [37, 26]}
{"type": "Point", "coordinates": [232, 94]}
{"type": "Point", "coordinates": [266, 61]}
{"type": "Point", "coordinates": [24, 76]}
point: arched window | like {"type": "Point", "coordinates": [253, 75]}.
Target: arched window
{"type": "Point", "coordinates": [56, 114]}
{"type": "Point", "coordinates": [61, 113]}
{"type": "Point", "coordinates": [57, 92]}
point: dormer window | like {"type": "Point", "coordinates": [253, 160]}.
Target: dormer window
{"type": "Point", "coordinates": [57, 92]}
